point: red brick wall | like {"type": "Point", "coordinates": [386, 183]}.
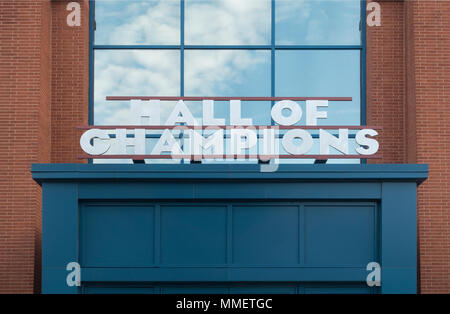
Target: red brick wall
{"type": "Point", "coordinates": [70, 81]}
{"type": "Point", "coordinates": [44, 130]}
{"type": "Point", "coordinates": [43, 97]}
{"type": "Point", "coordinates": [24, 129]}
{"type": "Point", "coordinates": [385, 84]}
{"type": "Point", "coordinates": [408, 91]}
{"type": "Point", "coordinates": [431, 29]}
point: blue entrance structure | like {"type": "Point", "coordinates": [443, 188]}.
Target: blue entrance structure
{"type": "Point", "coordinates": [229, 228]}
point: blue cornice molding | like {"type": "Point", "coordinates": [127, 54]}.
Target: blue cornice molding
{"type": "Point", "coordinates": [113, 172]}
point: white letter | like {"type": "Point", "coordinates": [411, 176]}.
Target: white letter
{"type": "Point", "coordinates": [208, 114]}
{"type": "Point", "coordinates": [292, 106]}
{"type": "Point", "coordinates": [235, 114]}
{"type": "Point", "coordinates": [74, 277]}
{"type": "Point", "coordinates": [242, 139]}
{"type": "Point", "coordinates": [311, 111]}
{"type": "Point", "coordinates": [362, 140]}
{"type": "Point", "coordinates": [148, 109]}
{"type": "Point", "coordinates": [167, 144]}
{"type": "Point", "coordinates": [374, 17]}
{"type": "Point", "coordinates": [97, 147]}
{"type": "Point", "coordinates": [73, 19]}
{"type": "Point", "coordinates": [269, 144]}
{"type": "Point", "coordinates": [181, 114]}
{"type": "Point", "coordinates": [291, 148]}
{"type": "Point", "coordinates": [327, 140]}
{"type": "Point", "coordinates": [374, 277]}
{"type": "Point", "coordinates": [138, 142]}
{"type": "Point", "coordinates": [213, 142]}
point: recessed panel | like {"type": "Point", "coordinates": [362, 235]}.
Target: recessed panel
{"type": "Point", "coordinates": [265, 234]}
{"type": "Point", "coordinates": [339, 235]}
{"type": "Point", "coordinates": [193, 234]}
{"type": "Point", "coordinates": [117, 235]}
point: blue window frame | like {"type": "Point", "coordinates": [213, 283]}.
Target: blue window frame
{"type": "Point", "coordinates": [283, 46]}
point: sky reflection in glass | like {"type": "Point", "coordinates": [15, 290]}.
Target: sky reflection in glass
{"type": "Point", "coordinates": [227, 22]}
{"type": "Point", "coordinates": [322, 73]}
{"type": "Point", "coordinates": [132, 22]}
{"type": "Point", "coordinates": [229, 73]}
{"type": "Point", "coordinates": [317, 22]}
{"type": "Point", "coordinates": [232, 72]}
{"type": "Point", "coordinates": [132, 72]}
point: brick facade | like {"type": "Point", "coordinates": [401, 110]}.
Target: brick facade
{"type": "Point", "coordinates": [385, 81]}
{"type": "Point", "coordinates": [70, 82]}
{"type": "Point", "coordinates": [24, 125]}
{"type": "Point", "coordinates": [44, 96]}
{"type": "Point", "coordinates": [407, 75]}
{"type": "Point", "coordinates": [431, 42]}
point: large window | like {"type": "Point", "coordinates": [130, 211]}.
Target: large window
{"type": "Point", "coordinates": [227, 48]}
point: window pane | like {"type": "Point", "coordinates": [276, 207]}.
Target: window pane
{"type": "Point", "coordinates": [227, 73]}
{"type": "Point", "coordinates": [227, 22]}
{"type": "Point", "coordinates": [237, 73]}
{"type": "Point", "coordinates": [317, 22]}
{"type": "Point", "coordinates": [122, 22]}
{"type": "Point", "coordinates": [322, 73]}
{"type": "Point", "coordinates": [132, 73]}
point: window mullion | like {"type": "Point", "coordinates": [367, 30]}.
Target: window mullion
{"type": "Point", "coordinates": [272, 58]}
{"type": "Point", "coordinates": [181, 47]}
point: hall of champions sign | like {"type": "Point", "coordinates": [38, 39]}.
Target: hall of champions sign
{"type": "Point", "coordinates": [182, 136]}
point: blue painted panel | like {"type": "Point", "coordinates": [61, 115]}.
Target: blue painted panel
{"type": "Point", "coordinates": [194, 289]}
{"type": "Point", "coordinates": [398, 280]}
{"type": "Point", "coordinates": [59, 235]}
{"type": "Point", "coordinates": [268, 288]}
{"type": "Point", "coordinates": [339, 235]}
{"type": "Point", "coordinates": [264, 235]}
{"type": "Point", "coordinates": [124, 289]}
{"type": "Point", "coordinates": [54, 281]}
{"type": "Point", "coordinates": [60, 211]}
{"type": "Point", "coordinates": [189, 172]}
{"type": "Point", "coordinates": [194, 245]}
{"type": "Point", "coordinates": [193, 234]}
{"type": "Point", "coordinates": [178, 189]}
{"type": "Point", "coordinates": [280, 273]}
{"type": "Point", "coordinates": [399, 238]}
{"type": "Point", "coordinates": [399, 209]}
{"type": "Point", "coordinates": [338, 288]}
{"type": "Point", "coordinates": [237, 288]}
{"type": "Point", "coordinates": [116, 235]}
